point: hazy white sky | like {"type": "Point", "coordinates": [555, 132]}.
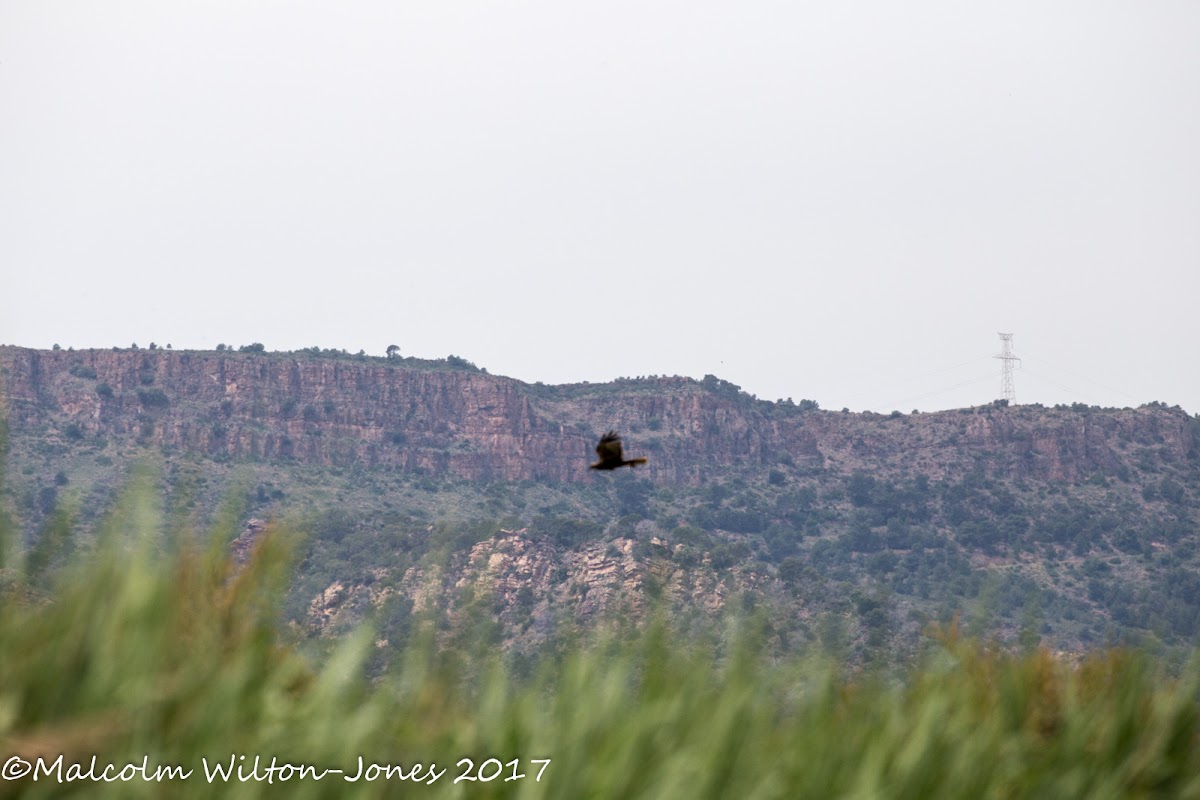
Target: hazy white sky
{"type": "Point", "coordinates": [842, 201]}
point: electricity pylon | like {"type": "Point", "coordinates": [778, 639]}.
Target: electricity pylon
{"type": "Point", "coordinates": [1007, 390]}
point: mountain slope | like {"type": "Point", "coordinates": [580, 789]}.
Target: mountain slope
{"type": "Point", "coordinates": [436, 490]}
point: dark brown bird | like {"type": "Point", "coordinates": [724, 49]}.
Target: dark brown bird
{"type": "Point", "coordinates": [609, 451]}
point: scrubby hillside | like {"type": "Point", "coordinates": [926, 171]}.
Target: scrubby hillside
{"type": "Point", "coordinates": [434, 490]}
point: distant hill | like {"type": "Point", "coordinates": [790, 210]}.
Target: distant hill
{"type": "Point", "coordinates": [436, 491]}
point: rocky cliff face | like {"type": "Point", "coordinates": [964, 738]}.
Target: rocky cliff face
{"type": "Point", "coordinates": [1088, 513]}
{"type": "Point", "coordinates": [411, 415]}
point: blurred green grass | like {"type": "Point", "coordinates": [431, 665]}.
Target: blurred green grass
{"type": "Point", "coordinates": [155, 643]}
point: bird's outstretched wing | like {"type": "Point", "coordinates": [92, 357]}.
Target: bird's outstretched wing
{"type": "Point", "coordinates": [609, 448]}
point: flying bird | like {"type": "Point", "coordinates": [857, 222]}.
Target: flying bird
{"type": "Point", "coordinates": [610, 454]}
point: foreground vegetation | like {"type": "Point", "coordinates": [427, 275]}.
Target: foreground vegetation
{"type": "Point", "coordinates": [157, 650]}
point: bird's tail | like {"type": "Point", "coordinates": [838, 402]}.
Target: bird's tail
{"type": "Point", "coordinates": [633, 462]}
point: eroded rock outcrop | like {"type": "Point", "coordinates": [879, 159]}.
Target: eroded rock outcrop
{"type": "Point", "coordinates": [427, 416]}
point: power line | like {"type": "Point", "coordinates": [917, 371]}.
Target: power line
{"type": "Point", "coordinates": [1009, 360]}
{"type": "Point", "coordinates": [925, 374]}
{"type": "Point", "coordinates": [1084, 377]}
{"type": "Point", "coordinates": [907, 400]}
{"type": "Point", "coordinates": [1053, 382]}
